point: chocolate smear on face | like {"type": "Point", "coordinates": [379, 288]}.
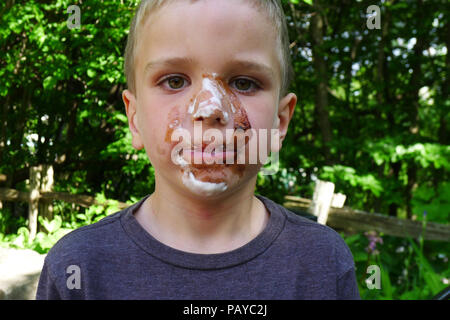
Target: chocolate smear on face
{"type": "Point", "coordinates": [160, 150]}
{"type": "Point", "coordinates": [174, 119]}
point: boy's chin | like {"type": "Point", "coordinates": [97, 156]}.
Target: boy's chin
{"type": "Point", "coordinates": [210, 181]}
{"type": "Point", "coordinates": [218, 180]}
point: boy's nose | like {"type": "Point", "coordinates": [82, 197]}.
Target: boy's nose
{"type": "Point", "coordinates": [211, 114]}
{"type": "Point", "coordinates": [210, 106]}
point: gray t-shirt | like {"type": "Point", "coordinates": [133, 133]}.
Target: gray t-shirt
{"type": "Point", "coordinates": [115, 258]}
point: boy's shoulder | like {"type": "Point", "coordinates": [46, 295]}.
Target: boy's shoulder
{"type": "Point", "coordinates": [307, 239]}
{"type": "Point", "coordinates": [300, 225]}
{"type": "Point", "coordinates": [88, 241]}
{"type": "Point", "coordinates": [81, 234]}
{"type": "Point", "coordinates": [316, 233]}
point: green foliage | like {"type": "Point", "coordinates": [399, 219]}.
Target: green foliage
{"type": "Point", "coordinates": [348, 175]}
{"type": "Point", "coordinates": [423, 154]}
{"type": "Point", "coordinates": [436, 202]}
{"type": "Point", "coordinates": [97, 212]}
{"type": "Point", "coordinates": [55, 229]}
{"type": "Point", "coordinates": [9, 223]}
{"type": "Point", "coordinates": [43, 241]}
{"type": "Point", "coordinates": [407, 270]}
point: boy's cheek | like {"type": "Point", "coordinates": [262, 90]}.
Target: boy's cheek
{"type": "Point", "coordinates": [157, 152]}
{"type": "Point", "coordinates": [158, 140]}
{"type": "Point", "coordinates": [263, 117]}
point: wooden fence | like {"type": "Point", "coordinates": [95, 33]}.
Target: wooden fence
{"type": "Point", "coordinates": [328, 208]}
{"type": "Point", "coordinates": [41, 196]}
{"type": "Point", "coordinates": [326, 205]}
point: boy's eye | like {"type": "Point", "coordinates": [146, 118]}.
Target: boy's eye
{"type": "Point", "coordinates": [173, 82]}
{"type": "Point", "coordinates": [245, 85]}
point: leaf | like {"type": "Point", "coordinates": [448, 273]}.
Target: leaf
{"type": "Point", "coordinates": [386, 285]}
{"type": "Point", "coordinates": [359, 256]}
{"type": "Point", "coordinates": [81, 216]}
{"type": "Point", "coordinates": [91, 73]}
{"type": "Point", "coordinates": [51, 226]}
{"type": "Point", "coordinates": [121, 117]}
{"type": "Point", "coordinates": [49, 83]}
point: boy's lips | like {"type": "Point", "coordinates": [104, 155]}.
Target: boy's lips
{"type": "Point", "coordinates": [213, 147]}
{"type": "Point", "coordinates": [208, 157]}
{"type": "Point", "coordinates": [208, 153]}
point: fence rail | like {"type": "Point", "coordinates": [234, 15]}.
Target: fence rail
{"type": "Point", "coordinates": [40, 197]}
{"type": "Point", "coordinates": [85, 201]}
{"type": "Point", "coordinates": [351, 220]}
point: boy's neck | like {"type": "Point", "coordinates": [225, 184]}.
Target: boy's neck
{"type": "Point", "coordinates": [200, 226]}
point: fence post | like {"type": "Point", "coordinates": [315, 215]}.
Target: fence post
{"type": "Point", "coordinates": [33, 201]}
{"type": "Point", "coordinates": [321, 202]}
{"type": "Point", "coordinates": [41, 180]}
{"type": "Point", "coordinates": [338, 200]}
{"type": "Point", "coordinates": [45, 206]}
{"type": "Point", "coordinates": [2, 179]}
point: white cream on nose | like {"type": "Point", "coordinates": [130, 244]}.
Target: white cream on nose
{"type": "Point", "coordinates": [208, 107]}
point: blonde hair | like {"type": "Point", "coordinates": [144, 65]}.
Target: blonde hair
{"type": "Point", "coordinates": [273, 9]}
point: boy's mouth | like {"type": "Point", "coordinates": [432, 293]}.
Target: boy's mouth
{"type": "Point", "coordinates": [210, 154]}
{"type": "Point", "coordinates": [211, 157]}
{"type": "Point", "coordinates": [210, 146]}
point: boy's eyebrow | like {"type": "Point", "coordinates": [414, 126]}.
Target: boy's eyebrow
{"type": "Point", "coordinates": [236, 63]}
{"type": "Point", "coordinates": [253, 66]}
{"type": "Point", "coordinates": [174, 61]}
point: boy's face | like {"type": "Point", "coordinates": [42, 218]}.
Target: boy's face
{"type": "Point", "coordinates": [211, 63]}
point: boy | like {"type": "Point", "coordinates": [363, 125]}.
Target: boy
{"type": "Point", "coordinates": [217, 71]}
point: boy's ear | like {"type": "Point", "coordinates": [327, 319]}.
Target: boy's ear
{"type": "Point", "coordinates": [285, 113]}
{"type": "Point", "coordinates": [130, 107]}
